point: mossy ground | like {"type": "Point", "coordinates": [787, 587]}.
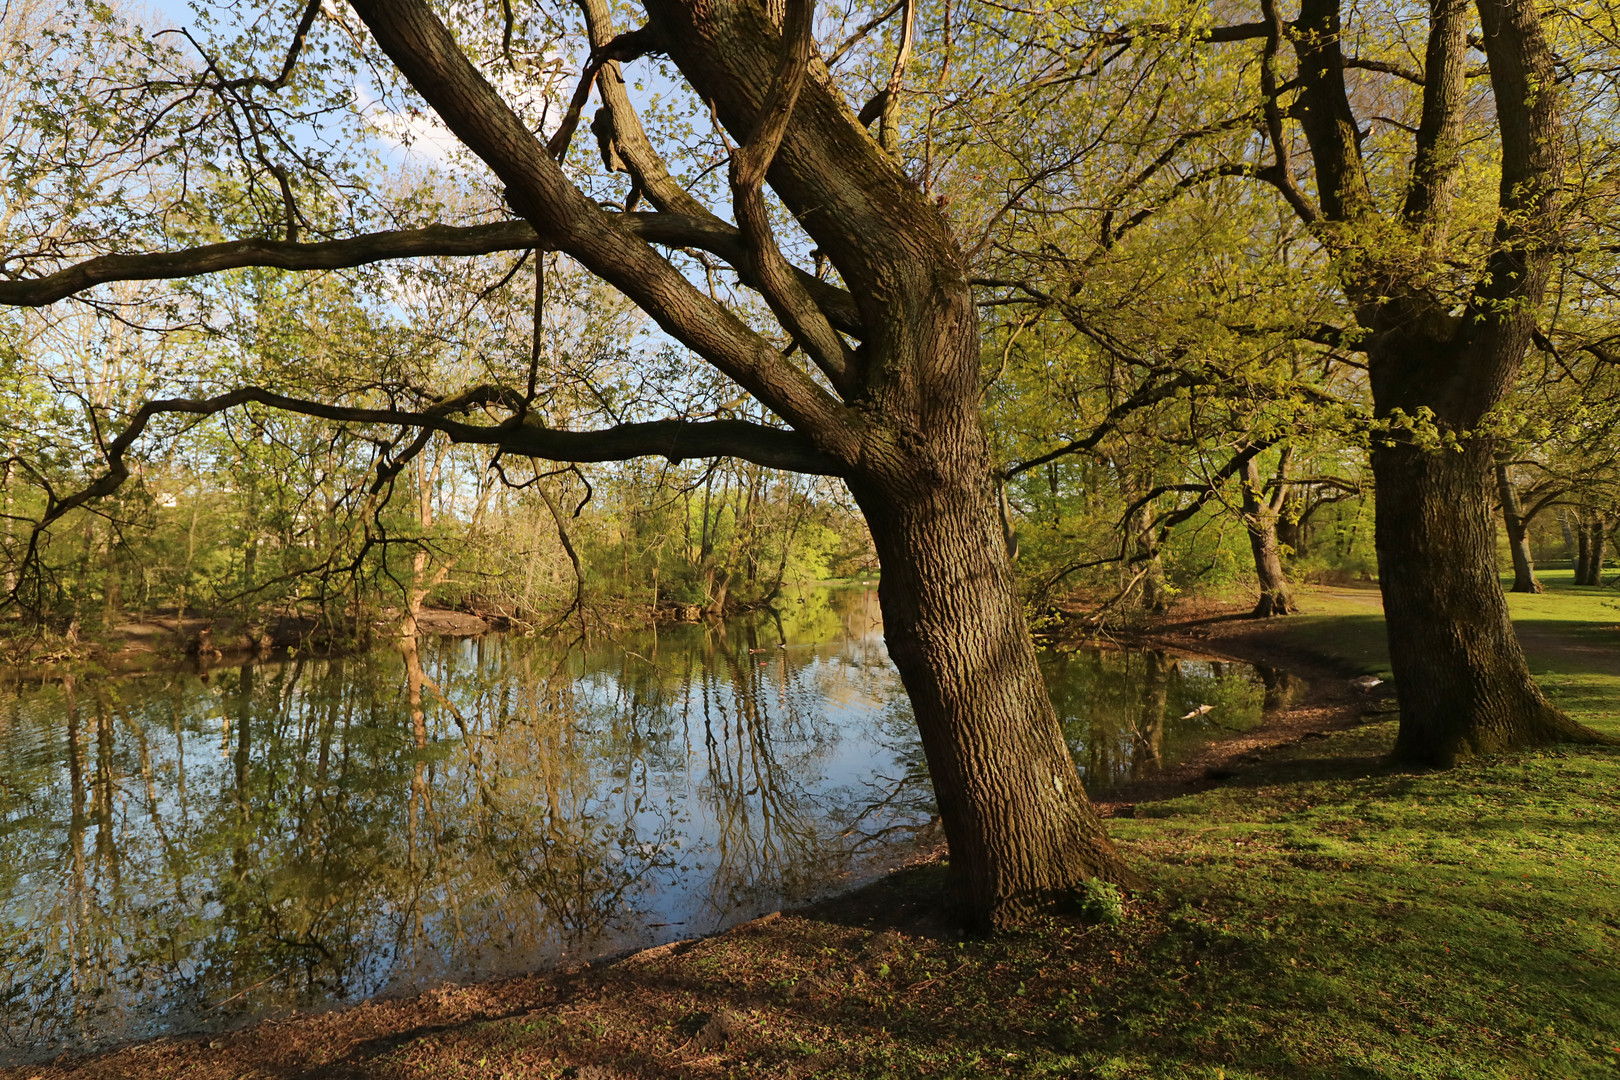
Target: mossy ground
{"type": "Point", "coordinates": [1317, 916]}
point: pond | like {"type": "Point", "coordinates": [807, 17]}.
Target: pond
{"type": "Point", "coordinates": [186, 851]}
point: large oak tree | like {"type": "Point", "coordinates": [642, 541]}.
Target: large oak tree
{"type": "Point", "coordinates": [1442, 349]}
{"type": "Point", "coordinates": [879, 384]}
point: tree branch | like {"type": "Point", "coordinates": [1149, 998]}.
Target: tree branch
{"type": "Point", "coordinates": [1282, 168]}
{"type": "Point", "coordinates": [628, 46]}
{"type": "Point", "coordinates": [788, 300]}
{"type": "Point", "coordinates": [708, 233]}
{"type": "Point", "coordinates": [647, 169]}
{"type": "Point", "coordinates": [1438, 152]}
{"type": "Point", "coordinates": [1205, 492]}
{"type": "Point", "coordinates": [886, 105]}
{"type": "Point", "coordinates": [1145, 396]}
{"type": "Point", "coordinates": [1325, 115]}
{"type": "Point", "coordinates": [674, 439]}
{"type": "Point", "coordinates": [300, 35]}
{"type": "Point", "coordinates": [280, 254]}
{"type": "Point", "coordinates": [432, 61]}
{"type": "Point", "coordinates": [864, 29]}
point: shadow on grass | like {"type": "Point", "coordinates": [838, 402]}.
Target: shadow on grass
{"type": "Point", "coordinates": [1289, 771]}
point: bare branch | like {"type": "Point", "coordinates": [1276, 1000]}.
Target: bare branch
{"type": "Point", "coordinates": [708, 233]}
{"type": "Point", "coordinates": [524, 434]}
{"type": "Point", "coordinates": [864, 29]}
{"type": "Point", "coordinates": [628, 46]}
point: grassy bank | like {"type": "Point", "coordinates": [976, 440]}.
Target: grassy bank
{"type": "Point", "coordinates": [1567, 630]}
{"type": "Point", "coordinates": [1316, 916]}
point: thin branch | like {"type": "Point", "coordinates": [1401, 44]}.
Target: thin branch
{"type": "Point", "coordinates": [1145, 396]}
{"type": "Point", "coordinates": [864, 29]}
{"type": "Point", "coordinates": [300, 35]}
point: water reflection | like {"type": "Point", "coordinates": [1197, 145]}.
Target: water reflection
{"type": "Point", "coordinates": [1129, 713]}
{"type": "Point", "coordinates": [180, 851]}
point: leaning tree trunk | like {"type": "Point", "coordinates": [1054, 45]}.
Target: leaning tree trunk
{"type": "Point", "coordinates": [1020, 828]}
{"type": "Point", "coordinates": [1463, 681]}
{"type": "Point", "coordinates": [1155, 595]}
{"type": "Point", "coordinates": [1524, 568]}
{"type": "Point", "coordinates": [1260, 520]}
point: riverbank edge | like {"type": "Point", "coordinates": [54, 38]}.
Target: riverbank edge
{"type": "Point", "coordinates": [157, 644]}
{"type": "Point", "coordinates": [1228, 631]}
{"type": "Point", "coordinates": [890, 899]}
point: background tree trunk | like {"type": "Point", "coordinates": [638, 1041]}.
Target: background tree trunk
{"type": "Point", "coordinates": [1260, 515]}
{"type": "Point", "coordinates": [1591, 537]}
{"type": "Point", "coordinates": [1291, 526]}
{"type": "Point", "coordinates": [1463, 681]}
{"type": "Point", "coordinates": [1155, 596]}
{"type": "Point", "coordinates": [1583, 550]}
{"type": "Point", "coordinates": [1524, 568]}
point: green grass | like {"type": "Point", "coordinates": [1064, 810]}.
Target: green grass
{"type": "Point", "coordinates": [1346, 625]}
{"type": "Point", "coordinates": [1369, 923]}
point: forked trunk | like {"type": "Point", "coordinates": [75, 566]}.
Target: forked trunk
{"type": "Point", "coordinates": [1020, 828]}
{"type": "Point", "coordinates": [1260, 520]}
{"type": "Point", "coordinates": [1463, 681]}
{"type": "Point", "coordinates": [1524, 568]}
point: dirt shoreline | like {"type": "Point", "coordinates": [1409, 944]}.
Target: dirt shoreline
{"type": "Point", "coordinates": [1227, 631]}
{"type": "Point", "coordinates": [356, 1040]}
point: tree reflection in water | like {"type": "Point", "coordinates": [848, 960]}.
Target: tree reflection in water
{"type": "Point", "coordinates": [179, 850]}
{"type": "Point", "coordinates": [182, 850]}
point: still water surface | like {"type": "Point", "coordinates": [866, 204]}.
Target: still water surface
{"type": "Point", "coordinates": [184, 851]}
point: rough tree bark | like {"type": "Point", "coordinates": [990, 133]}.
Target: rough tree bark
{"type": "Point", "coordinates": [1524, 567]}
{"type": "Point", "coordinates": [1019, 828]}
{"type": "Point", "coordinates": [1462, 679]}
{"type": "Point", "coordinates": [1260, 515]}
